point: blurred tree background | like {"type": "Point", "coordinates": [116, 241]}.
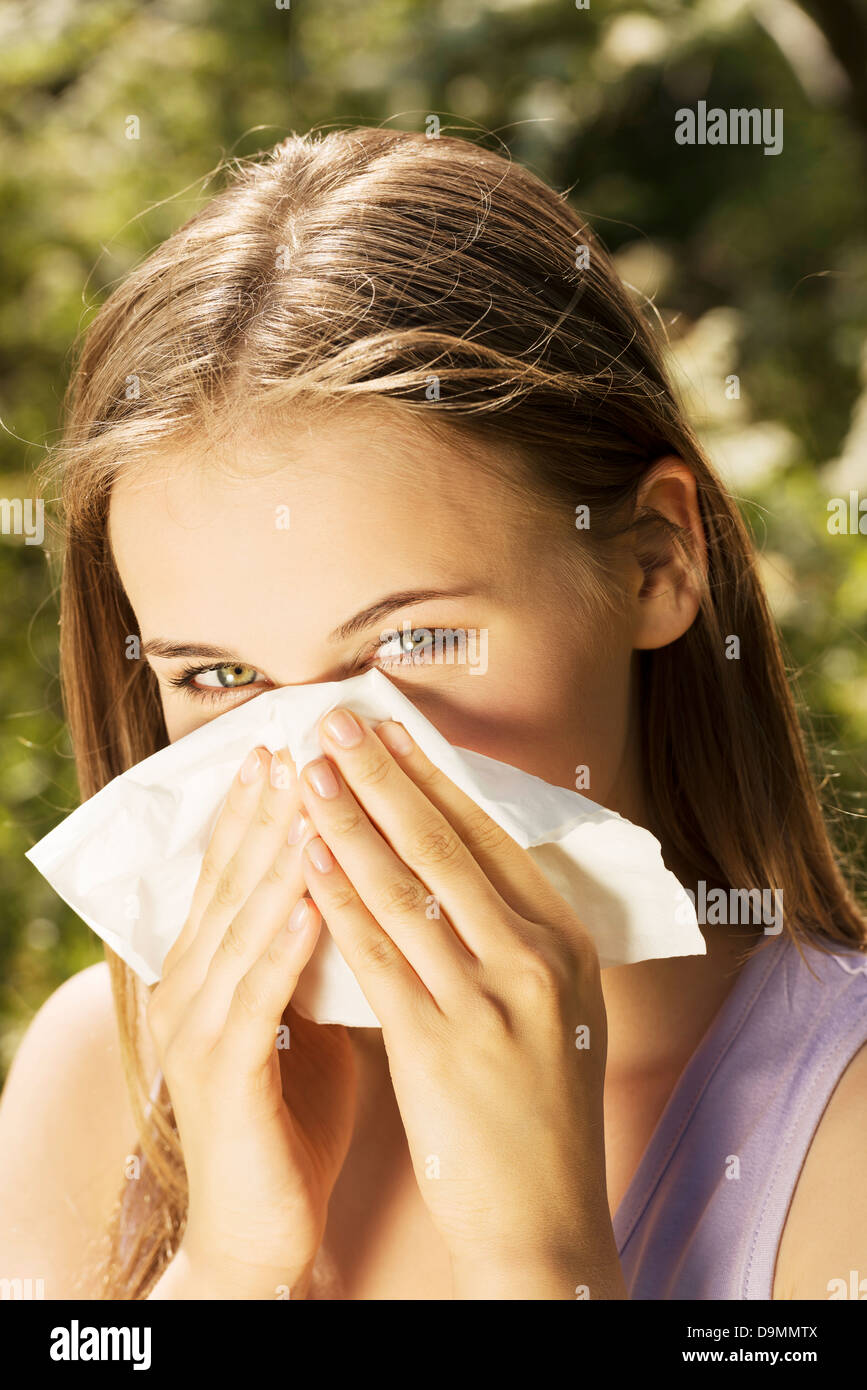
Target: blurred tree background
{"type": "Point", "coordinates": [757, 265]}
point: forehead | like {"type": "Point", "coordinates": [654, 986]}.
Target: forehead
{"type": "Point", "coordinates": [303, 528]}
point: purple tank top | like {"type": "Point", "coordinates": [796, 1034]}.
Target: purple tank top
{"type": "Point", "coordinates": [704, 1213]}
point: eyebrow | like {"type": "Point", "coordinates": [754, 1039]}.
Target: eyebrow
{"type": "Point", "coordinates": [364, 618]}
{"type": "Point", "coordinates": [404, 598]}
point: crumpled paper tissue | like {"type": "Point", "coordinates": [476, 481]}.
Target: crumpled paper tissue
{"type": "Point", "coordinates": [127, 860]}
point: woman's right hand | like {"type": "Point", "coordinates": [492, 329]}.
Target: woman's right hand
{"type": "Point", "coordinates": [260, 1173]}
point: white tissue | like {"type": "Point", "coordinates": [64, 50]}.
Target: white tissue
{"type": "Point", "coordinates": [127, 860]}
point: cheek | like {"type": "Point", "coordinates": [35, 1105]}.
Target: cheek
{"type": "Point", "coordinates": [182, 716]}
{"type": "Point", "coordinates": [549, 714]}
{"type": "Point", "coordinates": [178, 722]}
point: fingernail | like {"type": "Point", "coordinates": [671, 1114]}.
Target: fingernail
{"type": "Point", "coordinates": [322, 778]}
{"type": "Point", "coordinates": [251, 767]}
{"type": "Point", "coordinates": [343, 727]}
{"type": "Point", "coordinates": [320, 855]}
{"type": "Point", "coordinates": [395, 737]}
{"type": "Point", "coordinates": [281, 773]}
{"type": "Point", "coordinates": [299, 916]}
{"type": "Point", "coordinates": [297, 828]}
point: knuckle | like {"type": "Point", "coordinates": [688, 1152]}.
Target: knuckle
{"type": "Point", "coordinates": [428, 776]}
{"type": "Point", "coordinates": [571, 953]}
{"type": "Point", "coordinates": [232, 941]}
{"type": "Point", "coordinates": [434, 1029]}
{"type": "Point", "coordinates": [541, 978]}
{"type": "Point", "coordinates": [491, 1012]}
{"type": "Point", "coordinates": [248, 998]}
{"type": "Point", "coordinates": [375, 953]}
{"type": "Point", "coordinates": [435, 845]}
{"type": "Point", "coordinates": [374, 771]}
{"type": "Point", "coordinates": [226, 890]}
{"type": "Point", "coordinates": [584, 963]}
{"type": "Point", "coordinates": [347, 822]}
{"type": "Point", "coordinates": [265, 817]}
{"type": "Point", "coordinates": [279, 871]}
{"type": "Point", "coordinates": [257, 1086]}
{"type": "Point", "coordinates": [278, 950]}
{"type": "Point", "coordinates": [238, 803]}
{"type": "Point", "coordinates": [211, 869]}
{"type": "Point", "coordinates": [484, 833]}
{"type": "Point", "coordinates": [405, 896]}
{"type": "Point", "coordinates": [342, 895]}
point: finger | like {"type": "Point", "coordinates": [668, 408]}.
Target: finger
{"type": "Point", "coordinates": [392, 988]}
{"type": "Point", "coordinates": [506, 864]}
{"type": "Point", "coordinates": [402, 905]}
{"type": "Point", "coordinates": [420, 834]}
{"type": "Point", "coordinates": [263, 992]}
{"type": "Point", "coordinates": [249, 934]}
{"type": "Point", "coordinates": [264, 835]}
{"type": "Point", "coordinates": [232, 822]}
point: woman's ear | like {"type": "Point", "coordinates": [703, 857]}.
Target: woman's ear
{"type": "Point", "coordinates": [669, 595]}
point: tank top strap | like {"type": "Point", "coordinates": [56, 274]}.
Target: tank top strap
{"type": "Point", "coordinates": [704, 1213]}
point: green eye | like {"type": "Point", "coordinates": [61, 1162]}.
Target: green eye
{"type": "Point", "coordinates": [206, 682]}
{"type": "Point", "coordinates": [229, 677]}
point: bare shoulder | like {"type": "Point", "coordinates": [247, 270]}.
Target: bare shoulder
{"type": "Point", "coordinates": [825, 1236]}
{"type": "Point", "coordinates": [66, 1127]}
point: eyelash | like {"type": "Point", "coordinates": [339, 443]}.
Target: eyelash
{"type": "Point", "coordinates": [184, 681]}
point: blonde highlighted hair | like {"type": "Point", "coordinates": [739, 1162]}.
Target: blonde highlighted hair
{"type": "Point", "coordinates": [365, 264]}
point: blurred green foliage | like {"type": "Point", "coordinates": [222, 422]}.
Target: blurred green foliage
{"type": "Point", "coordinates": [757, 265]}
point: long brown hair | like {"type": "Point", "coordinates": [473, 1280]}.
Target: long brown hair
{"type": "Point", "coordinates": [370, 263]}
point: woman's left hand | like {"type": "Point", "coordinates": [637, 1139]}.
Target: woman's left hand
{"type": "Point", "coordinates": [487, 987]}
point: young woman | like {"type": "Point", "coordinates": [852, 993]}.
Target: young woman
{"type": "Point", "coordinates": [415, 354]}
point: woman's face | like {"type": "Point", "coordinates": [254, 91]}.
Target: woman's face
{"type": "Point", "coordinates": [266, 570]}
